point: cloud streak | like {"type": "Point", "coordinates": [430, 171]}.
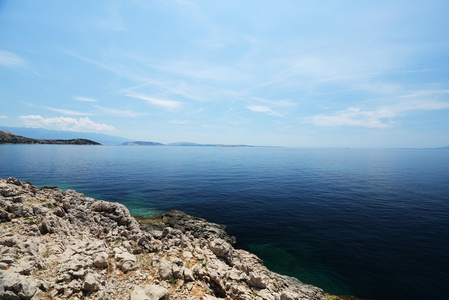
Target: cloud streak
{"type": "Point", "coordinates": [10, 59]}
{"type": "Point", "coordinates": [264, 109]}
{"type": "Point", "coordinates": [167, 104]}
{"type": "Point", "coordinates": [84, 99]}
{"type": "Point", "coordinates": [64, 123]}
{"type": "Point", "coordinates": [119, 113]}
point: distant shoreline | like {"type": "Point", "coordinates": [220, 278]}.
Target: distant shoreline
{"type": "Point", "coordinates": [7, 137]}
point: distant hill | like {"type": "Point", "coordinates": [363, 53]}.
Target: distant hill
{"type": "Point", "coordinates": [39, 133]}
{"type": "Point", "coordinates": [179, 144]}
{"type": "Point", "coordinates": [141, 143]}
{"type": "Point", "coordinates": [190, 144]}
{"type": "Point", "coordinates": [7, 137]}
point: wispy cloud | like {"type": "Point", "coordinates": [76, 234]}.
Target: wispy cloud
{"type": "Point", "coordinates": [382, 117]}
{"type": "Point", "coordinates": [10, 59]}
{"type": "Point", "coordinates": [69, 112]}
{"type": "Point", "coordinates": [119, 113]}
{"type": "Point", "coordinates": [3, 117]}
{"type": "Point", "coordinates": [201, 70]}
{"type": "Point", "coordinates": [178, 122]}
{"type": "Point", "coordinates": [85, 99]}
{"type": "Point", "coordinates": [64, 123]}
{"type": "Point", "coordinates": [280, 103]}
{"type": "Point", "coordinates": [167, 104]}
{"type": "Point", "coordinates": [264, 109]}
{"type": "Point", "coordinates": [352, 116]}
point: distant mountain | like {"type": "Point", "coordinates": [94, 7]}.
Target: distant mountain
{"type": "Point", "coordinates": [141, 143]}
{"type": "Point", "coordinates": [7, 137]}
{"type": "Point", "coordinates": [179, 144]}
{"type": "Point", "coordinates": [39, 133]}
{"type": "Point", "coordinates": [205, 145]}
{"type": "Point", "coordinates": [190, 144]}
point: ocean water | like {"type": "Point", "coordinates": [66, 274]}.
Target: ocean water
{"type": "Point", "coordinates": [366, 222]}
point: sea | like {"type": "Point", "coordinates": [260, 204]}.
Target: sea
{"type": "Point", "coordinates": [372, 223]}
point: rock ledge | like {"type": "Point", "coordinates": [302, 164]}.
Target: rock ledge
{"type": "Point", "coordinates": [58, 244]}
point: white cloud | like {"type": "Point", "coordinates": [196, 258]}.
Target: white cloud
{"type": "Point", "coordinates": [351, 117]}
{"type": "Point", "coordinates": [69, 112]}
{"type": "Point", "coordinates": [3, 117]}
{"type": "Point", "coordinates": [263, 109]}
{"type": "Point", "coordinates": [84, 99]}
{"type": "Point", "coordinates": [10, 59]}
{"type": "Point", "coordinates": [382, 116]}
{"type": "Point", "coordinates": [64, 123]}
{"type": "Point", "coordinates": [167, 104]}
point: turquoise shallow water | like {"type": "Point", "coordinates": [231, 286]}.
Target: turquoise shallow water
{"type": "Point", "coordinates": [371, 223]}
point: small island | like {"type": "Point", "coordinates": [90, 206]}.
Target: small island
{"type": "Point", "coordinates": [7, 137]}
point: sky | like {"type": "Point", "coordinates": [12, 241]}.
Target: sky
{"type": "Point", "coordinates": [276, 73]}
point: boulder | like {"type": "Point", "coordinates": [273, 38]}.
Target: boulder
{"type": "Point", "coordinates": [165, 269]}
{"type": "Point", "coordinates": [138, 293]}
{"type": "Point", "coordinates": [156, 292]}
{"type": "Point", "coordinates": [90, 283]}
{"type": "Point", "coordinates": [126, 261]}
{"type": "Point", "coordinates": [25, 286]}
{"type": "Point", "coordinates": [100, 259]}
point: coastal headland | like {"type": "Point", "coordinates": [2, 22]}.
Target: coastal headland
{"type": "Point", "coordinates": [58, 244]}
{"type": "Point", "coordinates": [7, 137]}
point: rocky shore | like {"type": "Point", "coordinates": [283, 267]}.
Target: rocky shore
{"type": "Point", "coordinates": [58, 244]}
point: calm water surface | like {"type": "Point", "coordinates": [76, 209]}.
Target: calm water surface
{"type": "Point", "coordinates": [371, 223]}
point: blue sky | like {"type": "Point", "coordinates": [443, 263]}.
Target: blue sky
{"type": "Point", "coordinates": [281, 73]}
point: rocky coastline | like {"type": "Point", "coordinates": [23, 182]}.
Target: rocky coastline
{"type": "Point", "coordinates": [58, 244]}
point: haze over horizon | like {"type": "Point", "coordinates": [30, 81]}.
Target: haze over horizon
{"type": "Point", "coordinates": [285, 73]}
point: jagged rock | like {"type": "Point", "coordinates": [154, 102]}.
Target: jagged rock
{"type": "Point", "coordinates": [51, 224]}
{"type": "Point", "coordinates": [7, 280]}
{"type": "Point", "coordinates": [138, 293]}
{"type": "Point", "coordinates": [39, 295]}
{"type": "Point", "coordinates": [90, 283]}
{"type": "Point", "coordinates": [188, 275]}
{"type": "Point", "coordinates": [256, 280]}
{"type": "Point", "coordinates": [165, 269]}
{"type": "Point", "coordinates": [209, 297]}
{"type": "Point", "coordinates": [100, 259]}
{"type": "Point", "coordinates": [156, 292]}
{"type": "Point", "coordinates": [27, 287]}
{"type": "Point", "coordinates": [8, 191]}
{"type": "Point", "coordinates": [12, 284]}
{"type": "Point", "coordinates": [40, 210]}
{"type": "Point", "coordinates": [198, 227]}
{"type": "Point", "coordinates": [150, 292]}
{"type": "Point", "coordinates": [126, 261]}
{"type": "Point", "coordinates": [66, 239]}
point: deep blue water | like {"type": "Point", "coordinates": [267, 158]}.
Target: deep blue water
{"type": "Point", "coordinates": [371, 223]}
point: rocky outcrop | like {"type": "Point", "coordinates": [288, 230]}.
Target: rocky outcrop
{"type": "Point", "coordinates": [198, 227]}
{"type": "Point", "coordinates": [58, 244]}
